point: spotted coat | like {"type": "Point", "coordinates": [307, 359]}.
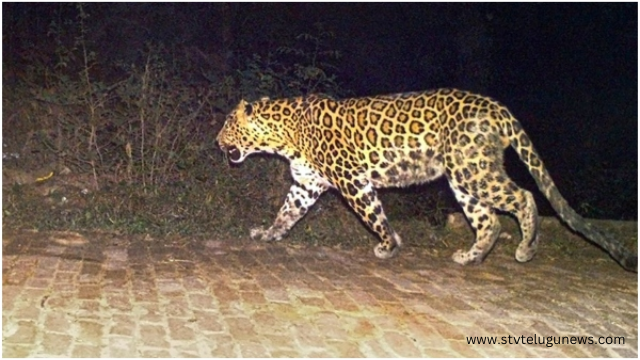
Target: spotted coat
{"type": "Point", "coordinates": [358, 145]}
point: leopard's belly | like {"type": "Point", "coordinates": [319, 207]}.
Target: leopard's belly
{"type": "Point", "coordinates": [400, 168]}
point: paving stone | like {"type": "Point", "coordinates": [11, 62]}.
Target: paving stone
{"type": "Point", "coordinates": [284, 353]}
{"type": "Point", "coordinates": [57, 321]}
{"type": "Point", "coordinates": [401, 344]}
{"type": "Point", "coordinates": [90, 310]}
{"type": "Point", "coordinates": [279, 341]}
{"type": "Point", "coordinates": [224, 293]}
{"type": "Point", "coordinates": [180, 329]}
{"type": "Point", "coordinates": [462, 348]}
{"type": "Point", "coordinates": [252, 349]}
{"type": "Point", "coordinates": [124, 325]}
{"type": "Point", "coordinates": [90, 333]}
{"type": "Point", "coordinates": [623, 352]}
{"type": "Point", "coordinates": [10, 294]}
{"type": "Point", "coordinates": [149, 312]}
{"type": "Point", "coordinates": [155, 353]}
{"type": "Point", "coordinates": [277, 295]}
{"type": "Point", "coordinates": [330, 324]}
{"type": "Point", "coordinates": [194, 285]}
{"type": "Point", "coordinates": [16, 351]}
{"type": "Point", "coordinates": [120, 347]}
{"type": "Point", "coordinates": [345, 348]}
{"type": "Point", "coordinates": [28, 313]}
{"type": "Point", "coordinates": [223, 298]}
{"type": "Point", "coordinates": [253, 297]}
{"type": "Point", "coordinates": [201, 301]}
{"type": "Point", "coordinates": [72, 266]}
{"type": "Point", "coordinates": [20, 332]}
{"type": "Point", "coordinates": [208, 321]}
{"type": "Point", "coordinates": [153, 335]}
{"type": "Point", "coordinates": [120, 302]}
{"type": "Point", "coordinates": [363, 298]}
{"type": "Point", "coordinates": [38, 283]}
{"type": "Point", "coordinates": [223, 346]}
{"type": "Point", "coordinates": [56, 344]}
{"type": "Point", "coordinates": [89, 292]}
{"type": "Point", "coordinates": [177, 306]}
{"type": "Point", "coordinates": [241, 328]}
{"type": "Point", "coordinates": [376, 348]}
{"type": "Point", "coordinates": [341, 301]}
{"type": "Point", "coordinates": [317, 302]}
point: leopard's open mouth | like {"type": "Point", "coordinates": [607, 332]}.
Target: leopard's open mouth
{"type": "Point", "coordinates": [232, 152]}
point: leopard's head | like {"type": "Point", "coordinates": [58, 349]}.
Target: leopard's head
{"type": "Point", "coordinates": [255, 127]}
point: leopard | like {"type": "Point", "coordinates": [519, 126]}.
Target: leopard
{"type": "Point", "coordinates": [361, 144]}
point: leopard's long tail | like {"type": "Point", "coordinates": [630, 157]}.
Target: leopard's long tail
{"type": "Point", "coordinates": [520, 141]}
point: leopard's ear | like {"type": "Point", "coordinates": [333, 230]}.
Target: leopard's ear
{"type": "Point", "coordinates": [247, 107]}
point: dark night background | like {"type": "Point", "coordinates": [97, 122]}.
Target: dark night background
{"type": "Point", "coordinates": [567, 71]}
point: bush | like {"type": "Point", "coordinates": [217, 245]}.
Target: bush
{"type": "Point", "coordinates": [146, 134]}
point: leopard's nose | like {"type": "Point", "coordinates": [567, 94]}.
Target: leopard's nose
{"type": "Point", "coordinates": [220, 142]}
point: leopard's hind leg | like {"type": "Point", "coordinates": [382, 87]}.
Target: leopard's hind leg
{"type": "Point", "coordinates": [484, 221]}
{"type": "Point", "coordinates": [481, 185]}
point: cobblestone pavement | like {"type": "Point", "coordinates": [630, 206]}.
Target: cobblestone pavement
{"type": "Point", "coordinates": [103, 295]}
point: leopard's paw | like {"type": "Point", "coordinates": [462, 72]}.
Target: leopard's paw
{"type": "Point", "coordinates": [466, 257]}
{"type": "Point", "coordinates": [382, 251]}
{"type": "Point", "coordinates": [262, 234]}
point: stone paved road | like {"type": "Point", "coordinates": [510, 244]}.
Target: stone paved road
{"type": "Point", "coordinates": [104, 295]}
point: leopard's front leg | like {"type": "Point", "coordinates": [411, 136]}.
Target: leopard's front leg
{"type": "Point", "coordinates": [306, 189]}
{"type": "Point", "coordinates": [363, 199]}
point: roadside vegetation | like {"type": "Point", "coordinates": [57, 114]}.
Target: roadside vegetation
{"type": "Point", "coordinates": [129, 146]}
{"type": "Point", "coordinates": [99, 137]}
